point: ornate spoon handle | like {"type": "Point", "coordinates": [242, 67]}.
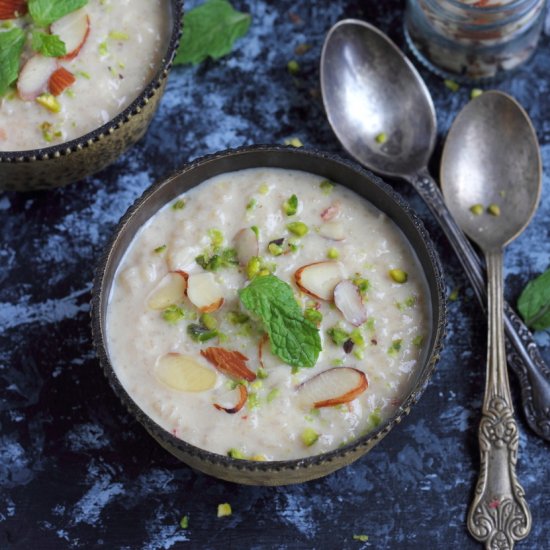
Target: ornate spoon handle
{"type": "Point", "coordinates": [524, 356]}
{"type": "Point", "coordinates": [499, 514]}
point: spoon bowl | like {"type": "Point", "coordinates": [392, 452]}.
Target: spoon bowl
{"type": "Point", "coordinates": [491, 157]}
{"type": "Point", "coordinates": [371, 88]}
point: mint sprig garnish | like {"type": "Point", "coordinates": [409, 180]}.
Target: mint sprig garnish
{"type": "Point", "coordinates": [293, 338]}
{"type": "Point", "coordinates": [11, 46]}
{"type": "Point", "coordinates": [45, 12]}
{"type": "Point", "coordinates": [534, 302]}
{"type": "Point", "coordinates": [210, 30]}
{"type": "Point", "coordinates": [49, 45]}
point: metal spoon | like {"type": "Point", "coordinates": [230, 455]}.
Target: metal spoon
{"type": "Point", "coordinates": [370, 89]}
{"type": "Point", "coordinates": [491, 157]}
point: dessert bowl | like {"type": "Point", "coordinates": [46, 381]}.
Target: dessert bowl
{"type": "Point", "coordinates": [234, 466]}
{"type": "Point", "coordinates": [71, 116]}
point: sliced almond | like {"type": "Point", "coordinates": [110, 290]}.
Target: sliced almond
{"type": "Point", "coordinates": [231, 363]}
{"type": "Point", "coordinates": [34, 76]}
{"type": "Point", "coordinates": [348, 300]}
{"type": "Point", "coordinates": [319, 279]}
{"type": "Point", "coordinates": [243, 396]}
{"type": "Point", "coordinates": [183, 373]}
{"type": "Point", "coordinates": [74, 30]}
{"type": "Point", "coordinates": [246, 245]}
{"type": "Point", "coordinates": [332, 387]}
{"type": "Point", "coordinates": [334, 231]}
{"type": "Point", "coordinates": [169, 291]}
{"type": "Point", "coordinates": [204, 292]}
{"type": "Point", "coordinates": [333, 211]}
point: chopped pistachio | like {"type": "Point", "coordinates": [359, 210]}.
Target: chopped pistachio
{"type": "Point", "coordinates": [70, 92]}
{"type": "Point", "coordinates": [290, 206]}
{"type": "Point", "coordinates": [84, 74]}
{"type": "Point", "coordinates": [410, 301]}
{"type": "Point", "coordinates": [178, 205]}
{"type": "Point", "coordinates": [361, 538]}
{"type": "Point", "coordinates": [261, 373]}
{"type": "Point", "coordinates": [258, 458]}
{"type": "Point", "coordinates": [235, 453]}
{"type": "Point", "coordinates": [50, 102]}
{"type": "Point", "coordinates": [418, 341]}
{"type": "Point", "coordinates": [252, 402]}
{"type": "Point", "coordinates": [264, 189]}
{"type": "Point", "coordinates": [237, 317]}
{"type": "Point", "coordinates": [493, 209]}
{"type": "Point", "coordinates": [257, 385]}
{"type": "Point", "coordinates": [309, 437]}
{"type": "Point", "coordinates": [173, 314]}
{"type": "Point", "coordinates": [199, 333]}
{"type": "Point", "coordinates": [370, 324]}
{"type": "Point", "coordinates": [375, 418]}
{"type": "Point", "coordinates": [295, 142]}
{"type": "Point", "coordinates": [160, 249]}
{"type": "Point", "coordinates": [216, 237]}
{"type": "Point", "coordinates": [395, 347]}
{"type": "Point", "coordinates": [253, 267]}
{"type": "Point", "coordinates": [256, 230]}
{"type": "Point", "coordinates": [398, 275]}
{"type": "Point", "coordinates": [381, 138]}
{"type": "Point", "coordinates": [224, 510]}
{"type": "Point", "coordinates": [103, 49]}
{"type": "Point", "coordinates": [209, 321]}
{"type": "Point", "coordinates": [275, 249]}
{"type": "Point", "coordinates": [313, 315]}
{"type": "Point", "coordinates": [452, 85]}
{"type": "Point", "coordinates": [293, 67]}
{"type": "Point", "coordinates": [476, 92]}
{"type": "Point", "coordinates": [333, 253]}
{"type": "Point", "coordinates": [264, 272]}
{"type": "Point", "coordinates": [476, 209]}
{"type": "Point", "coordinates": [272, 395]}
{"type": "Point", "coordinates": [251, 204]}
{"type": "Point", "coordinates": [362, 284]}
{"type": "Point", "coordinates": [337, 362]}
{"type": "Point", "coordinates": [326, 187]}
{"type": "Point", "coordinates": [298, 228]}
{"type": "Point", "coordinates": [453, 296]}
{"type": "Point", "coordinates": [358, 353]}
{"type": "Point", "coordinates": [338, 335]}
{"type": "Point", "coordinates": [357, 338]}
{"type": "Point", "coordinates": [502, 193]}
{"type": "Point", "coordinates": [119, 35]}
{"type": "Point", "coordinates": [184, 522]}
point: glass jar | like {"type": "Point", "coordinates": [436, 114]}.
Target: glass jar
{"type": "Point", "coordinates": [473, 39]}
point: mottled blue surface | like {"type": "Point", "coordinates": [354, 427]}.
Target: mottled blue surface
{"type": "Point", "coordinates": [76, 471]}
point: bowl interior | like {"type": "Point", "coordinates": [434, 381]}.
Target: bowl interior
{"type": "Point", "coordinates": [325, 165]}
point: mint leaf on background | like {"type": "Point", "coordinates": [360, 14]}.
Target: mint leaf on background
{"type": "Point", "coordinates": [534, 302]}
{"type": "Point", "coordinates": [45, 12]}
{"type": "Point", "coordinates": [49, 45]}
{"type": "Point", "coordinates": [11, 46]}
{"type": "Point", "coordinates": [293, 338]}
{"type": "Point", "coordinates": [210, 30]}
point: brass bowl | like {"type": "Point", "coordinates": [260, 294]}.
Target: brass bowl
{"type": "Point", "coordinates": [64, 163]}
{"type": "Point", "coordinates": [327, 166]}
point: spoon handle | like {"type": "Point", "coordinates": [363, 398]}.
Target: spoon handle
{"type": "Point", "coordinates": [524, 356]}
{"type": "Point", "coordinates": [499, 514]}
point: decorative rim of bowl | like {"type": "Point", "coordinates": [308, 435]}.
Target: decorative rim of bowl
{"type": "Point", "coordinates": [365, 441]}
{"type": "Point", "coordinates": [135, 107]}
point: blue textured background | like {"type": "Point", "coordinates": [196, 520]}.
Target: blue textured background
{"type": "Point", "coordinates": [76, 471]}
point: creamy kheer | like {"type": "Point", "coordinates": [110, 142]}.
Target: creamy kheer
{"type": "Point", "coordinates": [348, 270]}
{"type": "Point", "coordinates": [113, 49]}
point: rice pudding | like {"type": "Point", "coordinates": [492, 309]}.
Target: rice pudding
{"type": "Point", "coordinates": [110, 51]}
{"type": "Point", "coordinates": [268, 314]}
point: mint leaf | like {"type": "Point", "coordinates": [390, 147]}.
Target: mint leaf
{"type": "Point", "coordinates": [210, 30]}
{"type": "Point", "coordinates": [293, 338]}
{"type": "Point", "coordinates": [45, 12]}
{"type": "Point", "coordinates": [49, 45]}
{"type": "Point", "coordinates": [534, 302]}
{"type": "Point", "coordinates": [11, 46]}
